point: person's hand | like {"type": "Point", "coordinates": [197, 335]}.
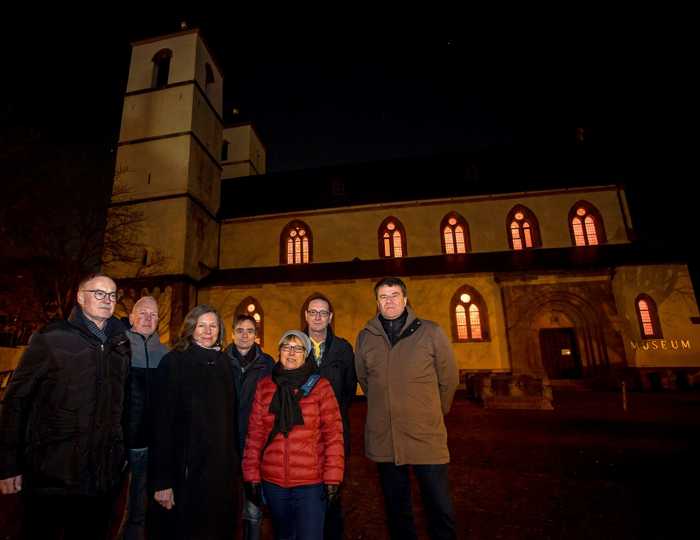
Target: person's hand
{"type": "Point", "coordinates": [9, 486]}
{"type": "Point", "coordinates": [332, 493]}
{"type": "Point", "coordinates": [253, 492]}
{"type": "Point", "coordinates": [165, 498]}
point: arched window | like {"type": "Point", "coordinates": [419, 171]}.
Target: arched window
{"type": "Point", "coordinates": [648, 317]}
{"type": "Point", "coordinates": [392, 239]}
{"type": "Point", "coordinates": [454, 234]}
{"type": "Point", "coordinates": [470, 321]}
{"type": "Point", "coordinates": [523, 228]}
{"type": "Point", "coordinates": [296, 243]}
{"type": "Point", "coordinates": [586, 225]}
{"type": "Point", "coordinates": [161, 68]}
{"type": "Point", "coordinates": [250, 306]}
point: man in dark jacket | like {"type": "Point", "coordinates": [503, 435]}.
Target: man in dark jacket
{"type": "Point", "coordinates": [61, 436]}
{"type": "Point", "coordinates": [249, 364]}
{"type": "Point", "coordinates": [146, 352]}
{"type": "Point", "coordinates": [336, 362]}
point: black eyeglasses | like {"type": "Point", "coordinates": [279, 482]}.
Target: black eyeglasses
{"type": "Point", "coordinates": [100, 295]}
{"type": "Point", "coordinates": [293, 349]}
{"type": "Point", "coordinates": [314, 313]}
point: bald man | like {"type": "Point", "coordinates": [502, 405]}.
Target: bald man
{"type": "Point", "coordinates": [146, 352]}
{"type": "Point", "coordinates": [61, 433]}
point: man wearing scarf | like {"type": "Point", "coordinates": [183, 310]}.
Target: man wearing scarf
{"type": "Point", "coordinates": [61, 436]}
{"type": "Point", "coordinates": [407, 370]}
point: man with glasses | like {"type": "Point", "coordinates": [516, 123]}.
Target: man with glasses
{"type": "Point", "coordinates": [146, 353]}
{"type": "Point", "coordinates": [336, 362]}
{"type": "Point", "coordinates": [407, 370]}
{"type": "Point", "coordinates": [61, 436]}
{"type": "Point", "coordinates": [249, 364]}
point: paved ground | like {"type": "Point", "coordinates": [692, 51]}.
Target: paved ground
{"type": "Point", "coordinates": [586, 470]}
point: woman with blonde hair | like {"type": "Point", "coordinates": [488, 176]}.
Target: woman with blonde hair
{"type": "Point", "coordinates": [195, 459]}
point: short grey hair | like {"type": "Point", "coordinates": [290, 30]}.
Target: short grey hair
{"type": "Point", "coordinates": [295, 334]}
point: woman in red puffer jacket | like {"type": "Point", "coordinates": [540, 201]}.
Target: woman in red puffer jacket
{"type": "Point", "coordinates": [294, 447]}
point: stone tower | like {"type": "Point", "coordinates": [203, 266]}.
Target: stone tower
{"type": "Point", "coordinates": [168, 169]}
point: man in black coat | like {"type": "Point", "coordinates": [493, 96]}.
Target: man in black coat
{"type": "Point", "coordinates": [61, 435]}
{"type": "Point", "coordinates": [249, 364]}
{"type": "Point", "coordinates": [336, 362]}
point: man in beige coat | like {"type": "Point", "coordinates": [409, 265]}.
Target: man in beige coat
{"type": "Point", "coordinates": [406, 369]}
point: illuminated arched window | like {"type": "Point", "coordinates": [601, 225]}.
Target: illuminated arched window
{"type": "Point", "coordinates": [296, 243]}
{"type": "Point", "coordinates": [523, 229]}
{"type": "Point", "coordinates": [161, 68]}
{"type": "Point", "coordinates": [469, 316]}
{"type": "Point", "coordinates": [392, 239]}
{"type": "Point", "coordinates": [648, 317]}
{"type": "Point", "coordinates": [250, 306]}
{"type": "Point", "coordinates": [586, 225]}
{"type": "Point", "coordinates": [454, 234]}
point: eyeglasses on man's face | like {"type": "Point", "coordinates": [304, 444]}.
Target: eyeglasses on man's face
{"type": "Point", "coordinates": [293, 349]}
{"type": "Point", "coordinates": [100, 294]}
{"type": "Point", "coordinates": [313, 313]}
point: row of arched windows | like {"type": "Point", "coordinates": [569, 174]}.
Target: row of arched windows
{"type": "Point", "coordinates": [469, 317]}
{"type": "Point", "coordinates": [523, 230]}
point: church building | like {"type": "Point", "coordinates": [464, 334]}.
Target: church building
{"type": "Point", "coordinates": [526, 259]}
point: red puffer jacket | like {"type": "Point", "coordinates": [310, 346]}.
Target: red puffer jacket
{"type": "Point", "coordinates": [311, 454]}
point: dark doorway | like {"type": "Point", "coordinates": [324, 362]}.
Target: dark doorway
{"type": "Point", "coordinates": [560, 353]}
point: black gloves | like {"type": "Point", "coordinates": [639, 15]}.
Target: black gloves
{"type": "Point", "coordinates": [332, 493]}
{"type": "Point", "coordinates": [253, 492]}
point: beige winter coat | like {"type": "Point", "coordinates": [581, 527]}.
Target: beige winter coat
{"type": "Point", "coordinates": [409, 388]}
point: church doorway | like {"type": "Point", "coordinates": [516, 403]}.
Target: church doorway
{"type": "Point", "coordinates": [560, 353]}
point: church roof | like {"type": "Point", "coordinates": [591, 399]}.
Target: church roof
{"type": "Point", "coordinates": [486, 171]}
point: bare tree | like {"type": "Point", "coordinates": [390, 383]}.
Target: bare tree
{"type": "Point", "coordinates": [56, 223]}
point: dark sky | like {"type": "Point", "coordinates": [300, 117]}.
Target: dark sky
{"type": "Point", "coordinates": [329, 97]}
{"type": "Point", "coordinates": [322, 95]}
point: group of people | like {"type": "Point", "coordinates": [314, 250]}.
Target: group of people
{"type": "Point", "coordinates": [203, 432]}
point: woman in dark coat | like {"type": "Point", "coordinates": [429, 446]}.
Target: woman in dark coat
{"type": "Point", "coordinates": [195, 456]}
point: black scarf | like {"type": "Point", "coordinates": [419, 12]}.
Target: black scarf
{"type": "Point", "coordinates": [285, 402]}
{"type": "Point", "coordinates": [393, 327]}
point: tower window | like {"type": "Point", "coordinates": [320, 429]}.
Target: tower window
{"type": "Point", "coordinates": [224, 150]}
{"type": "Point", "coordinates": [161, 68]}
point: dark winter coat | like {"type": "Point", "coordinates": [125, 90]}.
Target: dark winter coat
{"type": "Point", "coordinates": [311, 454]}
{"type": "Point", "coordinates": [194, 450]}
{"type": "Point", "coordinates": [409, 387]}
{"type": "Point", "coordinates": [146, 354]}
{"type": "Point", "coordinates": [246, 381]}
{"type": "Point", "coordinates": [61, 420]}
{"type": "Point", "coordinates": [338, 366]}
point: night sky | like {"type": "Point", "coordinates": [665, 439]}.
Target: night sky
{"type": "Point", "coordinates": [333, 96]}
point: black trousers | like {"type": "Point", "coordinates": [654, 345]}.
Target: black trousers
{"type": "Point", "coordinates": [435, 493]}
{"type": "Point", "coordinates": [333, 526]}
{"type": "Point", "coordinates": [49, 517]}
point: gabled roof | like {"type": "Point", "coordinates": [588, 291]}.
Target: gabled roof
{"type": "Point", "coordinates": [484, 171]}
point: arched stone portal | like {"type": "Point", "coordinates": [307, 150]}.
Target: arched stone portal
{"type": "Point", "coordinates": [541, 318]}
